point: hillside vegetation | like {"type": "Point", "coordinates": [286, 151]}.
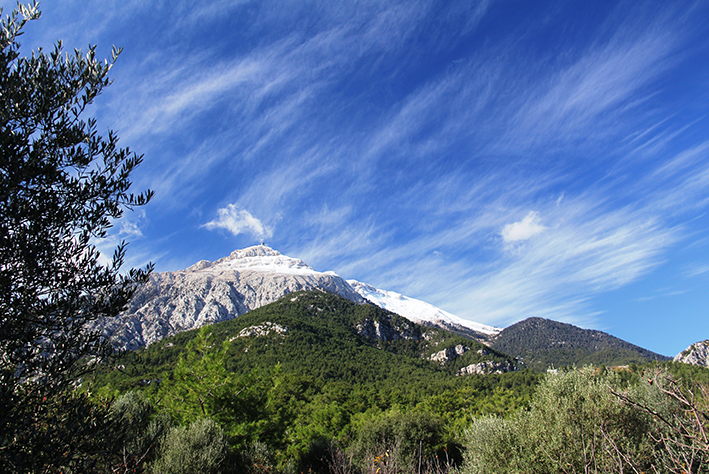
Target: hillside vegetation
{"type": "Point", "coordinates": [315, 366]}
{"type": "Point", "coordinates": [543, 343]}
{"type": "Point", "coordinates": [595, 421]}
{"type": "Point", "coordinates": [317, 383]}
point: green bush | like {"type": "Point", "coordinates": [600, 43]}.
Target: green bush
{"type": "Point", "coordinates": [400, 439]}
{"type": "Point", "coordinates": [495, 442]}
{"type": "Point", "coordinates": [574, 424]}
{"type": "Point", "coordinates": [137, 431]}
{"type": "Point", "coordinates": [257, 458]}
{"type": "Point", "coordinates": [198, 448]}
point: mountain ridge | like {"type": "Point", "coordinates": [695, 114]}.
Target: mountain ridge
{"type": "Point", "coordinates": [541, 343]}
{"type": "Point", "coordinates": [211, 292]}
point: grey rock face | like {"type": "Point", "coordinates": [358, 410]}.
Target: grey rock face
{"type": "Point", "coordinates": [386, 330]}
{"type": "Point", "coordinates": [211, 292]}
{"type": "Point", "coordinates": [697, 354]}
{"type": "Point", "coordinates": [446, 355]}
{"type": "Point", "coordinates": [487, 367]}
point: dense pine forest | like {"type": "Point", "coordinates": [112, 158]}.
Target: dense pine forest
{"type": "Point", "coordinates": [544, 343]}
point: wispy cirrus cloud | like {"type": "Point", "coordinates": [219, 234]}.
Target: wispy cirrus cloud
{"type": "Point", "coordinates": [266, 95]}
{"type": "Point", "coordinates": [589, 243]}
{"type": "Point", "coordinates": [584, 250]}
{"type": "Point", "coordinates": [576, 99]}
{"type": "Point", "coordinates": [424, 147]}
{"type": "Point", "coordinates": [697, 270]}
{"type": "Point", "coordinates": [492, 104]}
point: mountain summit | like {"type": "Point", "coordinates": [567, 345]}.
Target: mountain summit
{"type": "Point", "coordinates": [259, 258]}
{"type": "Point", "coordinates": [210, 292]}
{"type": "Point", "coordinates": [542, 343]}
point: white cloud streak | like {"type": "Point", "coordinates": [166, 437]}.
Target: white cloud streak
{"type": "Point", "coordinates": [524, 229]}
{"type": "Point", "coordinates": [238, 221]}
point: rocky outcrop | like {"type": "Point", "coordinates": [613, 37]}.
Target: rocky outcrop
{"type": "Point", "coordinates": [262, 330]}
{"type": "Point", "coordinates": [487, 367]}
{"type": "Point", "coordinates": [387, 329]}
{"type": "Point", "coordinates": [211, 292]}
{"type": "Point", "coordinates": [449, 354]}
{"type": "Point", "coordinates": [697, 354]}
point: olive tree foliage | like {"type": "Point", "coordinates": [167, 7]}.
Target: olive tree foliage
{"type": "Point", "coordinates": [62, 184]}
{"type": "Point", "coordinates": [683, 437]}
{"type": "Point", "coordinates": [199, 448]}
{"type": "Point", "coordinates": [574, 424]}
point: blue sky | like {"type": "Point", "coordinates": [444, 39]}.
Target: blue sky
{"type": "Point", "coordinates": [499, 159]}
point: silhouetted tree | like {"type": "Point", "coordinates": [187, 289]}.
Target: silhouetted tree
{"type": "Point", "coordinates": [61, 185]}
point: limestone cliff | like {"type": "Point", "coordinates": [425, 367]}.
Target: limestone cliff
{"type": "Point", "coordinates": [697, 354]}
{"type": "Point", "coordinates": [210, 292]}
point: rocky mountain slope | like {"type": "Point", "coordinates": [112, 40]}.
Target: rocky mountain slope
{"type": "Point", "coordinates": [696, 354]}
{"type": "Point", "coordinates": [542, 343]}
{"type": "Point", "coordinates": [326, 337]}
{"type": "Point", "coordinates": [424, 313]}
{"type": "Point", "coordinates": [210, 292]}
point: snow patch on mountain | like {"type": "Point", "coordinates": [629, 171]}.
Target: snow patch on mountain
{"type": "Point", "coordinates": [419, 311]}
{"type": "Point", "coordinates": [257, 259]}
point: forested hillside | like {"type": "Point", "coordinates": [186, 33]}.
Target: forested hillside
{"type": "Point", "coordinates": [543, 343]}
{"type": "Point", "coordinates": [317, 366]}
{"type": "Point", "coordinates": [317, 383]}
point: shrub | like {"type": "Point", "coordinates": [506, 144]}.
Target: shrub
{"type": "Point", "coordinates": [136, 431]}
{"type": "Point", "coordinates": [494, 442]}
{"type": "Point", "coordinates": [682, 413]}
{"type": "Point", "coordinates": [575, 423]}
{"type": "Point", "coordinates": [198, 448]}
{"type": "Point", "coordinates": [400, 440]}
{"type": "Point", "coordinates": [257, 458]}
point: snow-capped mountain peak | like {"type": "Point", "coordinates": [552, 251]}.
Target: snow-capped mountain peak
{"type": "Point", "coordinates": [259, 258]}
{"type": "Point", "coordinates": [210, 292]}
{"type": "Point", "coordinates": [419, 311]}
